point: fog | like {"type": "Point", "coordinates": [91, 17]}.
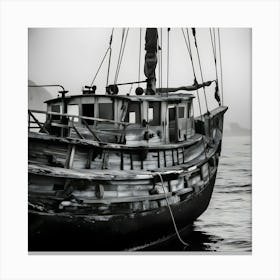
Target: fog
{"type": "Point", "coordinates": [71, 57]}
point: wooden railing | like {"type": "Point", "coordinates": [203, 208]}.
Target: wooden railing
{"type": "Point", "coordinates": [66, 123]}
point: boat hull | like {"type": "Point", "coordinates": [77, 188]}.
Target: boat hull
{"type": "Point", "coordinates": [66, 232]}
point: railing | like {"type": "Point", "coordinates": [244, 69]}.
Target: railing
{"type": "Point", "coordinates": [66, 123]}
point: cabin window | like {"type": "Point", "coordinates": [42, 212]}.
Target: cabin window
{"type": "Point", "coordinates": [181, 112]}
{"type": "Point", "coordinates": [134, 108]}
{"type": "Point", "coordinates": [74, 111]}
{"type": "Point", "coordinates": [132, 117]}
{"type": "Point", "coordinates": [106, 111]}
{"type": "Point", "coordinates": [88, 111]}
{"type": "Point", "coordinates": [56, 109]}
{"type": "Point", "coordinates": [154, 113]}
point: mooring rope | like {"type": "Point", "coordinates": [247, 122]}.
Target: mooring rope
{"type": "Point", "coordinates": [171, 213]}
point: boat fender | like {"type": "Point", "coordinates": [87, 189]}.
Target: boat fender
{"type": "Point", "coordinates": [139, 91]}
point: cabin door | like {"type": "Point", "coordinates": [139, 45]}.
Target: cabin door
{"type": "Point", "coordinates": [172, 123]}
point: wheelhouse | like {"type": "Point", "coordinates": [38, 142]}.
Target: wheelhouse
{"type": "Point", "coordinates": [153, 119]}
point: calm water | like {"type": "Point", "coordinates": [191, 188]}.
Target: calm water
{"type": "Point", "coordinates": [226, 225]}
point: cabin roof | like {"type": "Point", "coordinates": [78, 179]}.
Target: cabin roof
{"type": "Point", "coordinates": [159, 97]}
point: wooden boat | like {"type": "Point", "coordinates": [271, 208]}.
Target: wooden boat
{"type": "Point", "coordinates": [120, 171]}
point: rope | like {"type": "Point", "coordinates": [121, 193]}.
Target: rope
{"type": "Point", "coordinates": [190, 53]}
{"type": "Point", "coordinates": [161, 58]}
{"type": "Point", "coordinates": [167, 82]}
{"type": "Point", "coordinates": [159, 62]}
{"type": "Point", "coordinates": [188, 44]}
{"type": "Point", "coordinates": [171, 213]}
{"type": "Point", "coordinates": [140, 48]}
{"type": "Point", "coordinates": [99, 67]}
{"type": "Point", "coordinates": [201, 75]}
{"type": "Point", "coordinates": [110, 54]}
{"type": "Point", "coordinates": [220, 55]}
{"type": "Point", "coordinates": [213, 43]}
{"type": "Point", "coordinates": [121, 57]}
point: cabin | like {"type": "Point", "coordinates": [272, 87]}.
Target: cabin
{"type": "Point", "coordinates": [127, 119]}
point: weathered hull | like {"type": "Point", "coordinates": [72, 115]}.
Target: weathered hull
{"type": "Point", "coordinates": [62, 232]}
{"type": "Point", "coordinates": [104, 204]}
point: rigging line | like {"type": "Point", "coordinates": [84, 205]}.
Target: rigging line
{"type": "Point", "coordinates": [119, 56]}
{"type": "Point", "coordinates": [171, 213]}
{"type": "Point", "coordinates": [167, 82]}
{"type": "Point", "coordinates": [124, 45]}
{"type": "Point", "coordinates": [159, 61]}
{"type": "Point", "coordinates": [198, 98]}
{"type": "Point", "coordinates": [186, 41]}
{"type": "Point", "coordinates": [110, 54]}
{"type": "Point", "coordinates": [199, 62]}
{"type": "Point", "coordinates": [189, 50]}
{"type": "Point", "coordinates": [213, 43]}
{"type": "Point", "coordinates": [195, 80]}
{"type": "Point", "coordinates": [140, 48]}
{"type": "Point", "coordinates": [214, 33]}
{"type": "Point", "coordinates": [161, 58]}
{"type": "Point", "coordinates": [99, 67]}
{"type": "Point", "coordinates": [220, 55]}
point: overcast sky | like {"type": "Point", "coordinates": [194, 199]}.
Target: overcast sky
{"type": "Point", "coordinates": [71, 56]}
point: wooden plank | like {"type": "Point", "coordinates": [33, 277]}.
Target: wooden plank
{"type": "Point", "coordinates": [127, 199]}
{"type": "Point", "coordinates": [131, 161]}
{"type": "Point", "coordinates": [196, 140]}
{"type": "Point", "coordinates": [79, 117]}
{"type": "Point", "coordinates": [72, 155]}
{"type": "Point", "coordinates": [89, 159]}
{"type": "Point", "coordinates": [121, 160]}
{"type": "Point", "coordinates": [183, 191]}
{"type": "Point", "coordinates": [91, 131]}
{"type": "Point", "coordinates": [76, 130]}
{"type": "Point", "coordinates": [105, 160]}
{"type": "Point", "coordinates": [66, 165]}
{"type": "Point", "coordinates": [39, 124]}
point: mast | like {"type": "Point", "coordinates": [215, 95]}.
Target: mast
{"type": "Point", "coordinates": [151, 47]}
